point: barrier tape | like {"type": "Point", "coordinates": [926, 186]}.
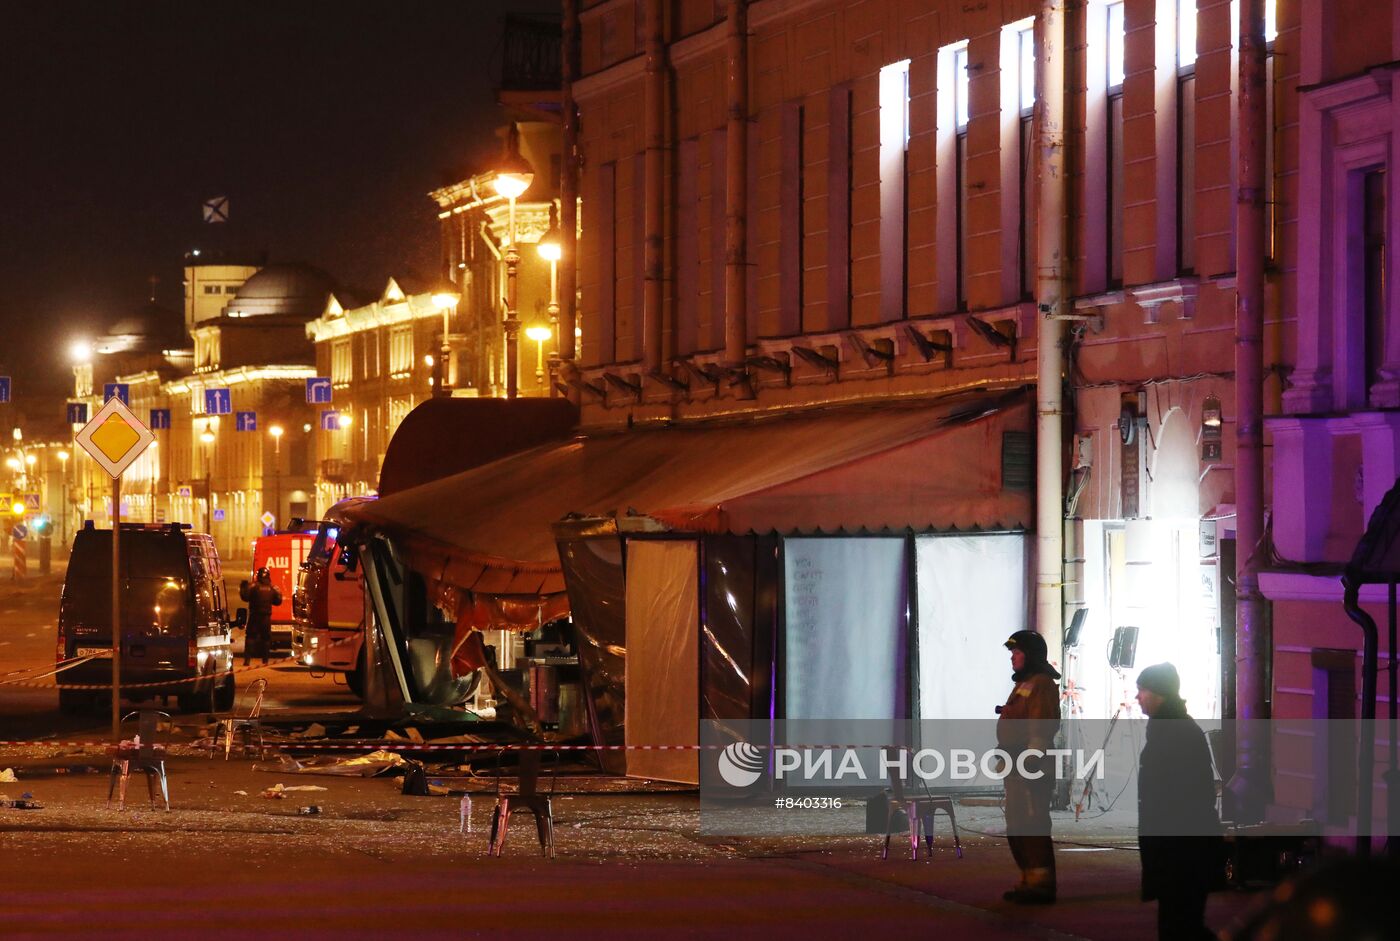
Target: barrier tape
{"type": "Point", "coordinates": [386, 745]}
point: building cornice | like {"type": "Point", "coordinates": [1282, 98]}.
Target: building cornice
{"type": "Point", "coordinates": [373, 316]}
{"type": "Point", "coordinates": [237, 376]}
{"type": "Point", "coordinates": [609, 79]}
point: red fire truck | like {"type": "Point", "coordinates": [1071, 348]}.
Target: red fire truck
{"type": "Point", "coordinates": [282, 554]}
{"type": "Point", "coordinates": [329, 608]}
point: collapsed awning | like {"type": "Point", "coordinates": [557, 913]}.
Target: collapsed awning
{"type": "Point", "coordinates": [957, 464]}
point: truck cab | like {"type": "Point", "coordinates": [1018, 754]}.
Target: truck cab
{"type": "Point", "coordinates": [328, 608]}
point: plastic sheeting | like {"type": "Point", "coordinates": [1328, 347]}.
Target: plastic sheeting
{"type": "Point", "coordinates": [593, 568]}
{"type": "Point", "coordinates": [971, 597]}
{"type": "Point", "coordinates": [663, 658]}
{"type": "Point", "coordinates": [846, 630]}
{"type": "Point", "coordinates": [739, 620]}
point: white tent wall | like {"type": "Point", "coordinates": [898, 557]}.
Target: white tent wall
{"type": "Point", "coordinates": [971, 597]}
{"type": "Point", "coordinates": [663, 658]}
{"type": "Point", "coordinates": [845, 630]}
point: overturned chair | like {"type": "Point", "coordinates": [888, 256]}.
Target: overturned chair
{"type": "Point", "coordinates": [527, 797]}
{"type": "Point", "coordinates": [920, 812]}
{"type": "Point", "coordinates": [141, 752]}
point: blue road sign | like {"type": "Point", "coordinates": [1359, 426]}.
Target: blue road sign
{"type": "Point", "coordinates": [318, 391]}
{"type": "Point", "coordinates": [117, 390]}
{"type": "Point", "coordinates": [218, 517]}
{"type": "Point", "coordinates": [77, 413]}
{"type": "Point", "coordinates": [246, 421]}
{"type": "Point", "coordinates": [4, 388]}
{"type": "Point", "coordinates": [160, 419]}
{"type": "Point", "coordinates": [330, 420]}
{"type": "Point", "coordinates": [20, 531]}
{"type": "Point", "coordinates": [218, 402]}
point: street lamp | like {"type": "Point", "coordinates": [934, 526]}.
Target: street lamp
{"type": "Point", "coordinates": [539, 333]}
{"type": "Point", "coordinates": [445, 298]}
{"type": "Point", "coordinates": [207, 436]}
{"type": "Point", "coordinates": [513, 177]}
{"type": "Point", "coordinates": [551, 249]}
{"type": "Point", "coordinates": [276, 432]}
{"type": "Point", "coordinates": [63, 520]}
{"type": "Point", "coordinates": [80, 351]}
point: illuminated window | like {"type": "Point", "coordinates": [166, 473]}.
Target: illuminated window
{"type": "Point", "coordinates": [342, 365]}
{"type": "Point", "coordinates": [954, 112]}
{"type": "Point", "coordinates": [1186, 136]}
{"type": "Point", "coordinates": [894, 178]}
{"type": "Point", "coordinates": [1113, 46]}
{"type": "Point", "coordinates": [1018, 110]}
{"type": "Point", "coordinates": [400, 351]}
{"type": "Point", "coordinates": [1270, 20]}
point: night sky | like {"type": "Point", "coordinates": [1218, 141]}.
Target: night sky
{"type": "Point", "coordinates": [325, 124]}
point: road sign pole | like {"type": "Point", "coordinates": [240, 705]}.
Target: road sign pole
{"type": "Point", "coordinates": [116, 610]}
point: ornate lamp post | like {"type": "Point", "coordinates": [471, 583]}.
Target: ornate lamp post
{"type": "Point", "coordinates": [539, 333]}
{"type": "Point", "coordinates": [207, 437]}
{"type": "Point", "coordinates": [276, 432]}
{"type": "Point", "coordinates": [513, 177]}
{"type": "Point", "coordinates": [551, 249]}
{"type": "Point", "coordinates": [445, 298]}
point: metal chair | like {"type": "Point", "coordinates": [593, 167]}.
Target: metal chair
{"type": "Point", "coordinates": [527, 797]}
{"type": "Point", "coordinates": [142, 753]}
{"type": "Point", "coordinates": [249, 726]}
{"type": "Point", "coordinates": [920, 812]}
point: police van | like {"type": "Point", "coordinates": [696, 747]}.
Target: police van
{"type": "Point", "coordinates": [175, 626]}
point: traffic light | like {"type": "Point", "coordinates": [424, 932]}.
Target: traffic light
{"type": "Point", "coordinates": [17, 508]}
{"type": "Point", "coordinates": [43, 525]}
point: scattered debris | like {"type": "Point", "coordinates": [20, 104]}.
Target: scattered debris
{"type": "Point", "coordinates": [361, 766]}
{"type": "Point", "coordinates": [243, 793]}
{"type": "Point", "coordinates": [278, 791]}
{"type": "Point", "coordinates": [314, 730]}
{"type": "Point", "coordinates": [310, 811]}
{"type": "Point", "coordinates": [411, 734]}
{"type": "Point", "coordinates": [8, 776]}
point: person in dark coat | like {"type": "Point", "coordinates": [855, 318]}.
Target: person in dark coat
{"type": "Point", "coordinates": [1178, 827]}
{"type": "Point", "coordinates": [1029, 720]}
{"type": "Point", "coordinates": [262, 597]}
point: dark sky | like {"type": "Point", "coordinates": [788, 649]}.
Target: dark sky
{"type": "Point", "coordinates": [325, 123]}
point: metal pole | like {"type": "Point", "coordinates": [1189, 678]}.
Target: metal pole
{"type": "Point", "coordinates": [116, 609]}
{"type": "Point", "coordinates": [568, 188]}
{"type": "Point", "coordinates": [653, 122]}
{"type": "Point", "coordinates": [1050, 331]}
{"type": "Point", "coordinates": [512, 321]}
{"type": "Point", "coordinates": [1251, 785]}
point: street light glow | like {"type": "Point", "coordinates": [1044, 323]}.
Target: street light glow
{"type": "Point", "coordinates": [30, 459]}
{"type": "Point", "coordinates": [62, 456]}
{"type": "Point", "coordinates": [346, 420]}
{"type": "Point", "coordinates": [275, 431]}
{"type": "Point", "coordinates": [12, 463]}
{"type": "Point", "coordinates": [539, 333]}
{"type": "Point", "coordinates": [17, 508]}
{"type": "Point", "coordinates": [80, 351]}
{"type": "Point", "coordinates": [206, 436]}
{"type": "Point", "coordinates": [444, 299]}
{"type": "Point", "coordinates": [514, 173]}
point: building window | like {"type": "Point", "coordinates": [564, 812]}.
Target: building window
{"type": "Point", "coordinates": [1186, 136]}
{"type": "Point", "coordinates": [342, 366]}
{"type": "Point", "coordinates": [400, 351]}
{"type": "Point", "coordinates": [894, 180]}
{"type": "Point", "coordinates": [954, 112]}
{"type": "Point", "coordinates": [399, 407]}
{"type": "Point", "coordinates": [212, 289]}
{"type": "Point", "coordinates": [1113, 82]}
{"type": "Point", "coordinates": [1018, 109]}
{"type": "Point", "coordinates": [370, 352]}
{"type": "Point", "coordinates": [1373, 267]}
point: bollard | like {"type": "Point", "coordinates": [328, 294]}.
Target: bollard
{"type": "Point", "coordinates": [466, 825]}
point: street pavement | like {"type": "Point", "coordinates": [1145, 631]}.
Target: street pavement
{"type": "Point", "coordinates": [378, 864]}
{"type": "Point", "coordinates": [375, 863]}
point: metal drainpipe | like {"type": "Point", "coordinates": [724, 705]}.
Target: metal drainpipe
{"type": "Point", "coordinates": [568, 190]}
{"type": "Point", "coordinates": [654, 119]}
{"type": "Point", "coordinates": [1050, 331]}
{"type": "Point", "coordinates": [736, 315]}
{"type": "Point", "coordinates": [1250, 785]}
{"type": "Point", "coordinates": [1366, 756]}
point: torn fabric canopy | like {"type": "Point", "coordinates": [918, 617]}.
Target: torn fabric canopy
{"type": "Point", "coordinates": [955, 464]}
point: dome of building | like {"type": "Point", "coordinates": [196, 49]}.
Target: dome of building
{"type": "Point", "coordinates": [149, 327]}
{"type": "Point", "coordinates": [282, 291]}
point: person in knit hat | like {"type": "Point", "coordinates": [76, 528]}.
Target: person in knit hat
{"type": "Point", "coordinates": [1178, 827]}
{"type": "Point", "coordinates": [1029, 721]}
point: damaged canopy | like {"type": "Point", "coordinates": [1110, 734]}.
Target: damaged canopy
{"type": "Point", "coordinates": [955, 464]}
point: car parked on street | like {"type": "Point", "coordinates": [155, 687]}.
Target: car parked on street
{"type": "Point", "coordinates": [175, 625]}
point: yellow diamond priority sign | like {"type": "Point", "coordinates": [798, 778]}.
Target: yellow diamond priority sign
{"type": "Point", "coordinates": [115, 437]}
